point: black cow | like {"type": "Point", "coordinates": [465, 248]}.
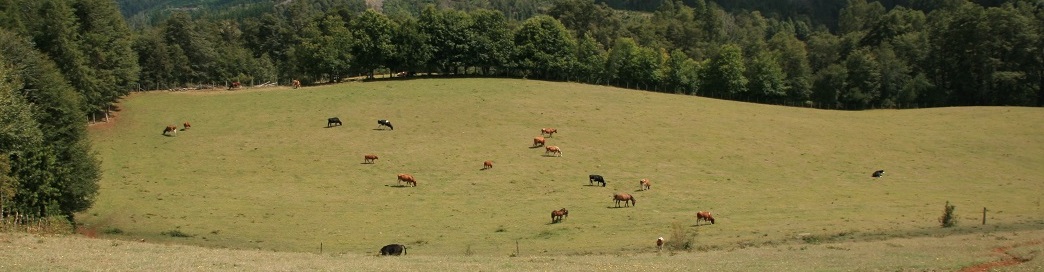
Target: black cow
{"type": "Point", "coordinates": [878, 173]}
{"type": "Point", "coordinates": [393, 249]}
{"type": "Point", "coordinates": [596, 178]}
{"type": "Point", "coordinates": [385, 123]}
{"type": "Point", "coordinates": [330, 122]}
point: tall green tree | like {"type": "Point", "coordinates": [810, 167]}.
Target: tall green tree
{"type": "Point", "coordinates": [767, 82]}
{"type": "Point", "coordinates": [591, 60]}
{"type": "Point", "coordinates": [793, 59]}
{"type": "Point", "coordinates": [412, 51]}
{"type": "Point", "coordinates": [725, 74]}
{"type": "Point", "coordinates": [371, 43]}
{"type": "Point", "coordinates": [491, 45]}
{"type": "Point", "coordinates": [543, 47]}
{"type": "Point", "coordinates": [59, 177]}
{"type": "Point", "coordinates": [106, 41]}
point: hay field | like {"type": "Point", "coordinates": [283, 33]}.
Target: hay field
{"type": "Point", "coordinates": [259, 170]}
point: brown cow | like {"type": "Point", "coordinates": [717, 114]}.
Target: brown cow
{"type": "Point", "coordinates": [659, 243]}
{"type": "Point", "coordinates": [487, 164]}
{"type": "Point", "coordinates": [548, 131]}
{"type": "Point", "coordinates": [623, 197]}
{"type": "Point", "coordinates": [539, 141]}
{"type": "Point", "coordinates": [644, 183]}
{"type": "Point", "coordinates": [187, 125]}
{"type": "Point", "coordinates": [553, 150]}
{"type": "Point", "coordinates": [235, 85]}
{"type": "Point", "coordinates": [296, 84]}
{"type": "Point", "coordinates": [408, 179]}
{"type": "Point", "coordinates": [369, 158]}
{"type": "Point", "coordinates": [171, 129]}
{"type": "Point", "coordinates": [705, 216]}
{"type": "Point", "coordinates": [556, 216]}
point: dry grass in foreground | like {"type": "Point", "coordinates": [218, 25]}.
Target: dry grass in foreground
{"type": "Point", "coordinates": [24, 252]}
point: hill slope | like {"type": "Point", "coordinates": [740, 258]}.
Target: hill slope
{"type": "Point", "coordinates": [259, 170]}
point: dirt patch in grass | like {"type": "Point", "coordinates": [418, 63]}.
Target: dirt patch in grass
{"type": "Point", "coordinates": [1009, 259]}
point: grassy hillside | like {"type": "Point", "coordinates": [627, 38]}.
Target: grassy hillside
{"type": "Point", "coordinates": [258, 170]}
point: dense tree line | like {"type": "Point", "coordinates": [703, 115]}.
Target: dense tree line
{"type": "Point", "coordinates": [65, 62]}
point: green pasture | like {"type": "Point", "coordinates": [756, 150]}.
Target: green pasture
{"type": "Point", "coordinates": [259, 170]}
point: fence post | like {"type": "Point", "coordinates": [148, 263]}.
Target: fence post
{"type": "Point", "coordinates": [984, 215]}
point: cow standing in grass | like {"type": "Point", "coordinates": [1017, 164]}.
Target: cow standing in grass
{"type": "Point", "coordinates": [554, 150]}
{"type": "Point", "coordinates": [645, 185]}
{"type": "Point", "coordinates": [487, 164]}
{"type": "Point", "coordinates": [170, 130]}
{"type": "Point", "coordinates": [385, 123]}
{"type": "Point", "coordinates": [539, 141]}
{"type": "Point", "coordinates": [333, 121]}
{"type": "Point", "coordinates": [595, 178]}
{"type": "Point", "coordinates": [548, 131]}
{"type": "Point", "coordinates": [408, 179]}
{"type": "Point", "coordinates": [296, 84]}
{"type": "Point", "coordinates": [704, 216]}
{"type": "Point", "coordinates": [618, 197]}
{"type": "Point", "coordinates": [369, 158]}
{"type": "Point", "coordinates": [556, 216]}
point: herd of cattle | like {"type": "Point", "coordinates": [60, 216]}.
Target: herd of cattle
{"type": "Point", "coordinates": [556, 215]}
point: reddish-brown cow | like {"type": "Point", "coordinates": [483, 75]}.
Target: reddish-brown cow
{"type": "Point", "coordinates": [556, 216]}
{"type": "Point", "coordinates": [623, 197]}
{"type": "Point", "coordinates": [487, 164]}
{"type": "Point", "coordinates": [553, 150]}
{"type": "Point", "coordinates": [186, 125]}
{"type": "Point", "coordinates": [548, 131]}
{"type": "Point", "coordinates": [296, 84]}
{"type": "Point", "coordinates": [170, 130]}
{"type": "Point", "coordinates": [408, 179]}
{"type": "Point", "coordinates": [645, 185]}
{"type": "Point", "coordinates": [369, 158]}
{"type": "Point", "coordinates": [539, 141]}
{"type": "Point", "coordinates": [705, 216]}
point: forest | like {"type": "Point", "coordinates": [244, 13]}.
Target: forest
{"type": "Point", "coordinates": [64, 63]}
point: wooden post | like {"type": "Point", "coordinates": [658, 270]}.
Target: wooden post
{"type": "Point", "coordinates": [516, 248]}
{"type": "Point", "coordinates": [984, 215]}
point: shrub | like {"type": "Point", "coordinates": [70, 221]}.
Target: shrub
{"type": "Point", "coordinates": [681, 238]}
{"type": "Point", "coordinates": [176, 233]}
{"type": "Point", "coordinates": [948, 219]}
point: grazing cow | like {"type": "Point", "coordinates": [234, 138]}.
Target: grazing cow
{"type": "Point", "coordinates": [333, 121]}
{"type": "Point", "coordinates": [170, 130]}
{"type": "Point", "coordinates": [369, 158]}
{"type": "Point", "coordinates": [393, 250]}
{"type": "Point", "coordinates": [659, 243]}
{"type": "Point", "coordinates": [538, 141]}
{"type": "Point", "coordinates": [623, 197]}
{"type": "Point", "coordinates": [644, 183]}
{"type": "Point", "coordinates": [187, 125]}
{"type": "Point", "coordinates": [878, 173]}
{"type": "Point", "coordinates": [408, 179]}
{"type": "Point", "coordinates": [556, 216]}
{"type": "Point", "coordinates": [384, 123]}
{"type": "Point", "coordinates": [553, 150]}
{"type": "Point", "coordinates": [591, 179]}
{"type": "Point", "coordinates": [705, 216]}
{"type": "Point", "coordinates": [296, 84]}
{"type": "Point", "coordinates": [548, 131]}
{"type": "Point", "coordinates": [487, 164]}
{"type": "Point", "coordinates": [234, 85]}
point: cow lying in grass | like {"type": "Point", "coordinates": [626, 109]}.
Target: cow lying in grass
{"type": "Point", "coordinates": [393, 250]}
